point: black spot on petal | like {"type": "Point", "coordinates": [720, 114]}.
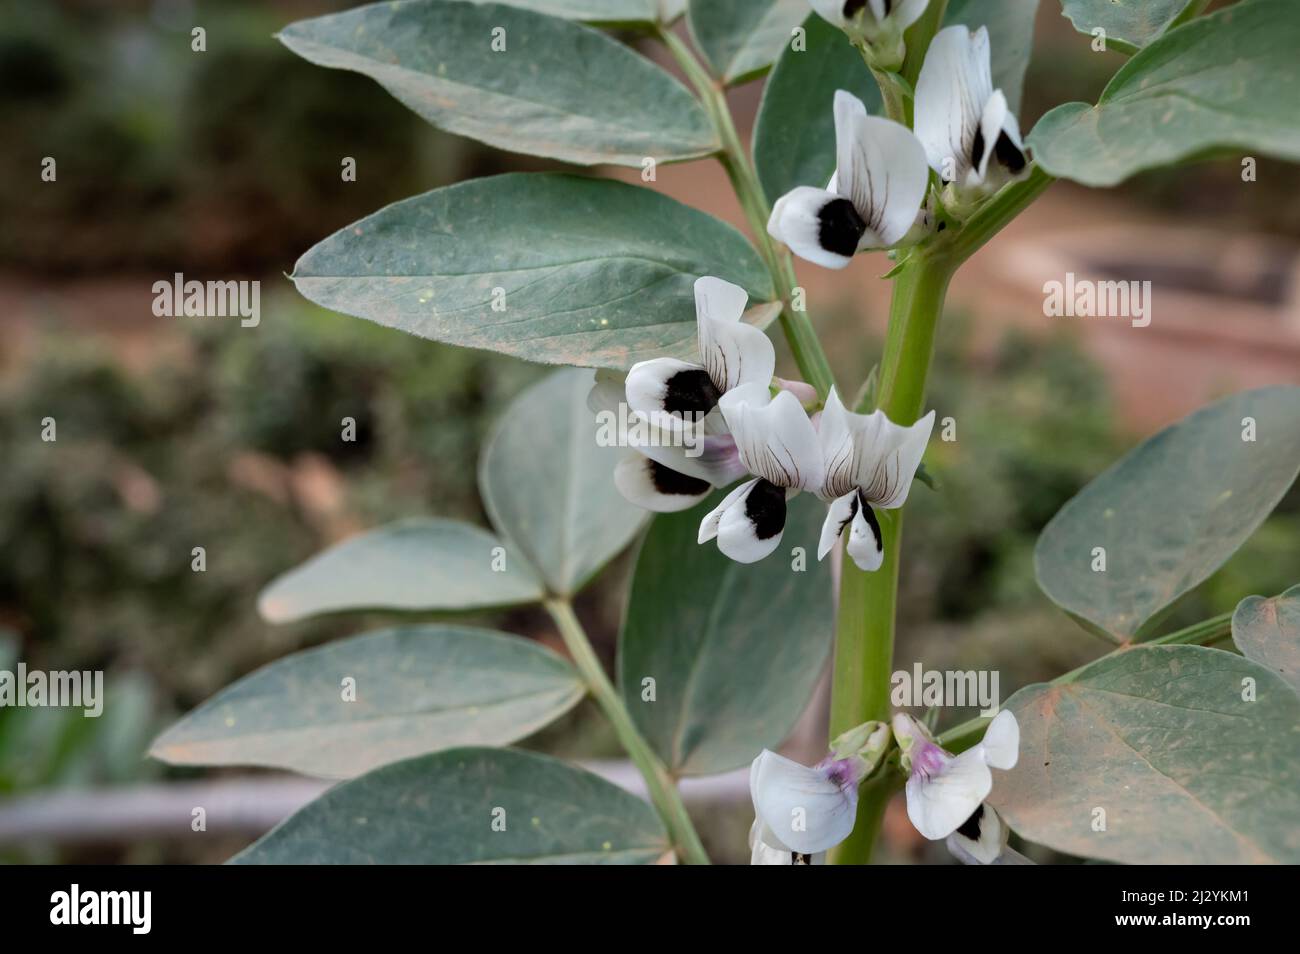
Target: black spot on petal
{"type": "Point", "coordinates": [970, 828]}
{"type": "Point", "coordinates": [671, 483]}
{"type": "Point", "coordinates": [977, 148]}
{"type": "Point", "coordinates": [690, 392]}
{"type": "Point", "coordinates": [869, 515]}
{"type": "Point", "coordinates": [853, 7]}
{"type": "Point", "coordinates": [1007, 155]}
{"type": "Point", "coordinates": [839, 227]}
{"type": "Point", "coordinates": [765, 509]}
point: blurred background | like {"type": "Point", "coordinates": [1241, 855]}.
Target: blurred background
{"type": "Point", "coordinates": [173, 433]}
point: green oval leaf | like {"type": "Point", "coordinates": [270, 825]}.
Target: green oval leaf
{"type": "Point", "coordinates": [794, 134]}
{"type": "Point", "coordinates": [1161, 739]}
{"type": "Point", "coordinates": [1129, 24]}
{"type": "Point", "coordinates": [1268, 631]}
{"type": "Point", "coordinates": [610, 12]}
{"type": "Point", "coordinates": [417, 689]}
{"type": "Point", "coordinates": [1171, 511]}
{"type": "Point", "coordinates": [1226, 81]}
{"type": "Point", "coordinates": [741, 38]}
{"type": "Point", "coordinates": [734, 650]}
{"type": "Point", "coordinates": [552, 268]}
{"type": "Point", "coordinates": [549, 488]}
{"type": "Point", "coordinates": [439, 809]}
{"type": "Point", "coordinates": [412, 565]}
{"type": "Point", "coordinates": [557, 89]}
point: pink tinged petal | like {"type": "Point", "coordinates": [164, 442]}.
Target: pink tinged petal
{"type": "Point", "coordinates": [649, 484]}
{"type": "Point", "coordinates": [804, 391]}
{"type": "Point", "coordinates": [805, 808]}
{"type": "Point", "coordinates": [774, 437]}
{"type": "Point", "coordinates": [732, 352]}
{"type": "Point", "coordinates": [819, 226]}
{"type": "Point", "coordinates": [1001, 743]}
{"type": "Point", "coordinates": [943, 791]}
{"type": "Point", "coordinates": [881, 168]}
{"type": "Point", "coordinates": [954, 84]}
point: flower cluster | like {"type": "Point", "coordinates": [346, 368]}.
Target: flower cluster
{"type": "Point", "coordinates": [800, 812]}
{"type": "Point", "coordinates": [744, 422]}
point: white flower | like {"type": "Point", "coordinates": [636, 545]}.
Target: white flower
{"type": "Point", "coordinates": [871, 201]}
{"type": "Point", "coordinates": [876, 21]}
{"type": "Point", "coordinates": [982, 840]}
{"type": "Point", "coordinates": [943, 790]}
{"type": "Point", "coordinates": [776, 441]}
{"type": "Point", "coordinates": [868, 464]}
{"type": "Point", "coordinates": [971, 137]}
{"type": "Point", "coordinates": [677, 400]}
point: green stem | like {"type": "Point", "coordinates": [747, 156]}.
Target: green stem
{"type": "Point", "coordinates": [963, 736]}
{"type": "Point", "coordinates": [864, 634]}
{"type": "Point", "coordinates": [918, 37]}
{"type": "Point", "coordinates": [800, 335]}
{"type": "Point", "coordinates": [663, 793]}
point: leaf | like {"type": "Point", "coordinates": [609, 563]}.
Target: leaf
{"type": "Point", "coordinates": [1268, 632]}
{"type": "Point", "coordinates": [741, 38]}
{"type": "Point", "coordinates": [1220, 83]}
{"type": "Point", "coordinates": [417, 689]}
{"type": "Point", "coordinates": [794, 134]}
{"type": "Point", "coordinates": [551, 268]}
{"type": "Point", "coordinates": [1171, 511]}
{"type": "Point", "coordinates": [1160, 738]}
{"type": "Point", "coordinates": [610, 12]}
{"type": "Point", "coordinates": [412, 565]}
{"type": "Point", "coordinates": [735, 650]}
{"type": "Point", "coordinates": [440, 809]}
{"type": "Point", "coordinates": [549, 486]}
{"type": "Point", "coordinates": [1011, 38]}
{"type": "Point", "coordinates": [1129, 24]}
{"type": "Point", "coordinates": [558, 89]}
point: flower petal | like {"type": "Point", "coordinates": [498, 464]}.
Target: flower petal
{"type": "Point", "coordinates": [671, 393]}
{"type": "Point", "coordinates": [774, 437]}
{"type": "Point", "coordinates": [866, 546]}
{"type": "Point", "coordinates": [1001, 743]}
{"type": "Point", "coordinates": [838, 515]}
{"type": "Point", "coordinates": [751, 528]}
{"type": "Point", "coordinates": [954, 84]}
{"type": "Point", "coordinates": [709, 525]}
{"type": "Point", "coordinates": [733, 352]}
{"type": "Point", "coordinates": [980, 839]}
{"type": "Point", "coordinates": [908, 12]}
{"type": "Point", "coordinates": [649, 484]}
{"type": "Point", "coordinates": [801, 805]}
{"type": "Point", "coordinates": [870, 452]}
{"type": "Point", "coordinates": [607, 392]}
{"type": "Point", "coordinates": [819, 226]}
{"type": "Point", "coordinates": [937, 805]}
{"type": "Point", "coordinates": [881, 168]}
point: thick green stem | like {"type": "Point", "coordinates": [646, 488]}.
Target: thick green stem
{"type": "Point", "coordinates": [663, 793]}
{"type": "Point", "coordinates": [864, 635]}
{"type": "Point", "coordinates": [963, 736]}
{"type": "Point", "coordinates": [800, 335]}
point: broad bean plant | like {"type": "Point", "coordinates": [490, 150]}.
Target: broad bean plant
{"type": "Point", "coordinates": [768, 510]}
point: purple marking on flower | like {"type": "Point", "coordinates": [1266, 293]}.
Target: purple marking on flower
{"type": "Point", "coordinates": [929, 760]}
{"type": "Point", "coordinates": [843, 772]}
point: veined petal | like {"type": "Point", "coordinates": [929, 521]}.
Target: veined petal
{"type": "Point", "coordinates": [980, 839]}
{"type": "Point", "coordinates": [881, 168]}
{"type": "Point", "coordinates": [866, 546]}
{"type": "Point", "coordinates": [822, 227]}
{"type": "Point", "coordinates": [954, 84]}
{"type": "Point", "coordinates": [869, 452]}
{"type": "Point", "coordinates": [938, 802]}
{"type": "Point", "coordinates": [733, 352]}
{"type": "Point", "coordinates": [802, 806]}
{"type": "Point", "coordinates": [774, 437]}
{"type": "Point", "coordinates": [671, 393]}
{"type": "Point", "coordinates": [650, 484]}
{"type": "Point", "coordinates": [709, 525]}
{"type": "Point", "coordinates": [1001, 743]}
{"type": "Point", "coordinates": [752, 526]}
{"type": "Point", "coordinates": [838, 515]}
